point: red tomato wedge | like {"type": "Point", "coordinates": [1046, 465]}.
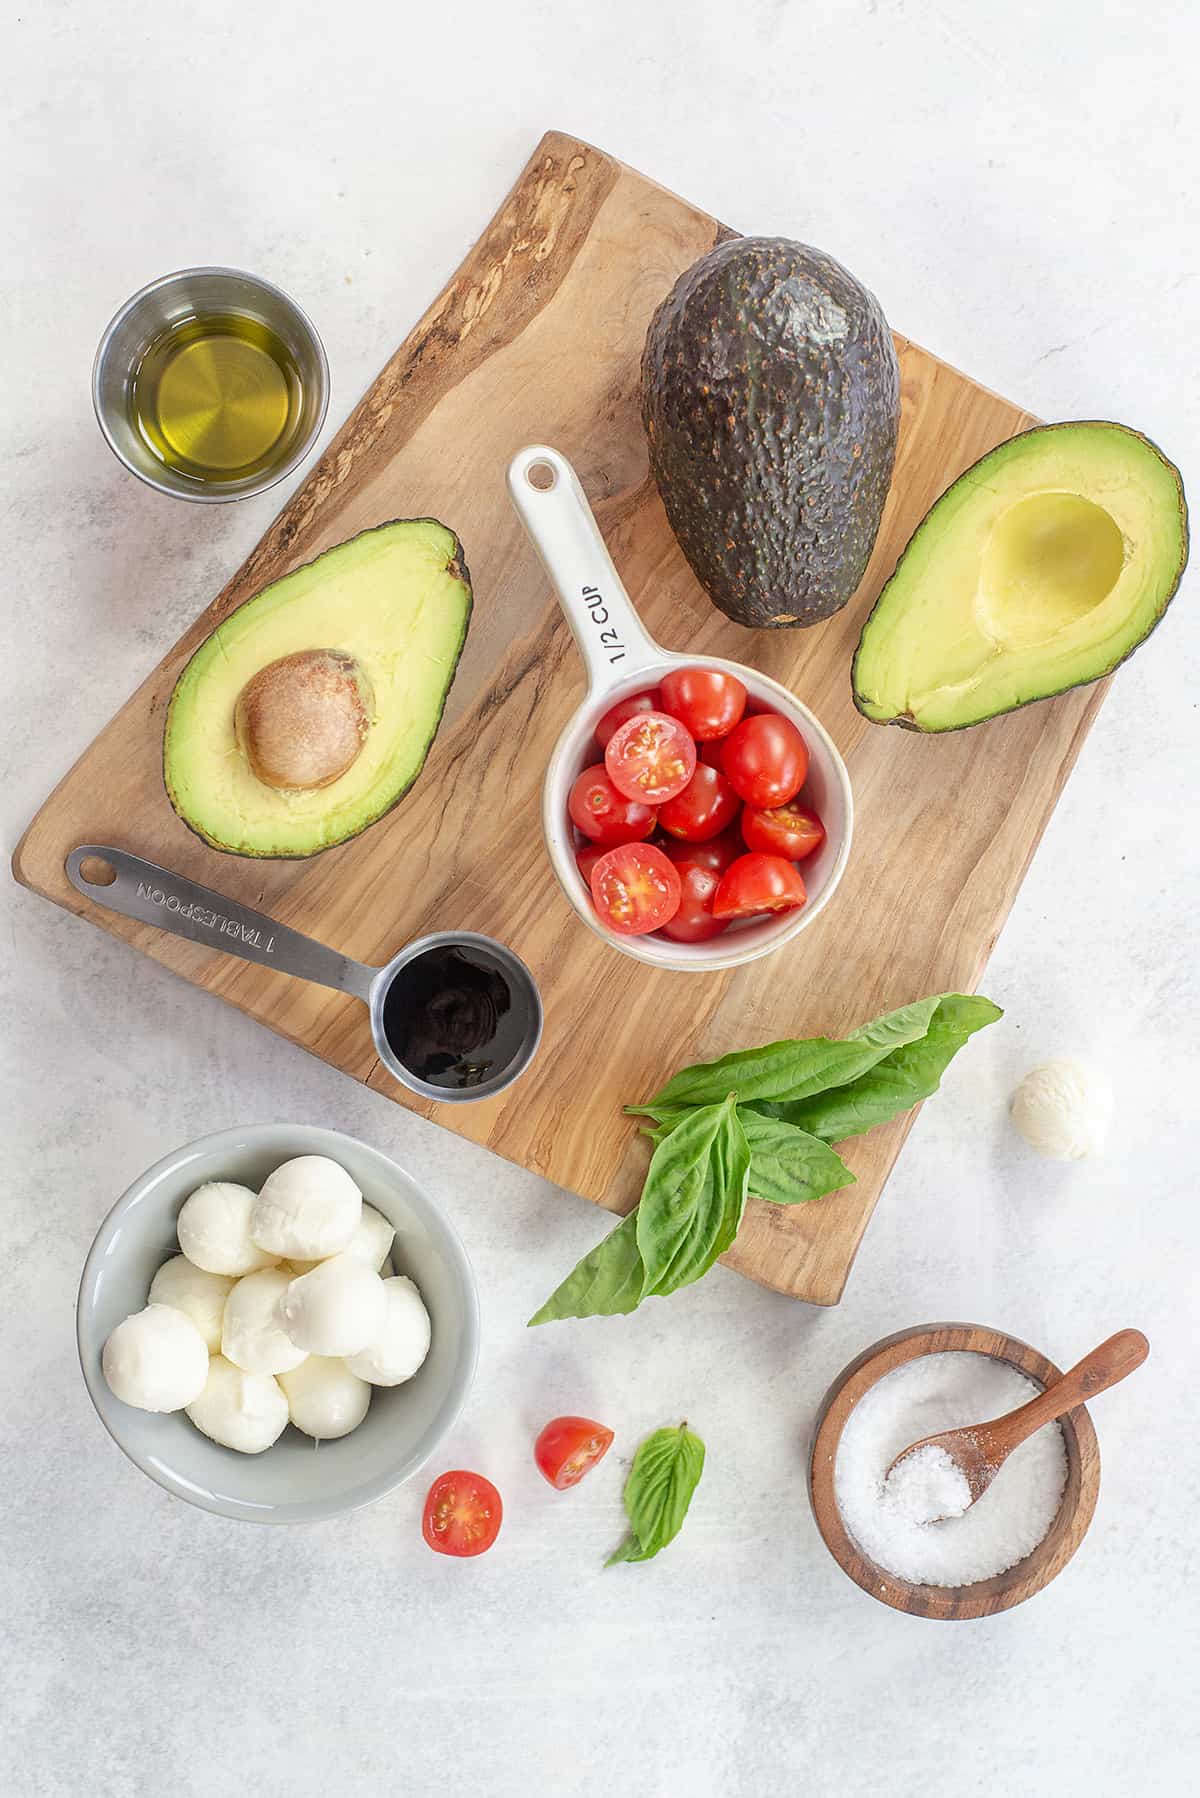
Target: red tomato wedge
{"type": "Point", "coordinates": [650, 758]}
{"type": "Point", "coordinates": [758, 883]}
{"type": "Point", "coordinates": [694, 921]}
{"type": "Point", "coordinates": [707, 804]}
{"type": "Point", "coordinates": [766, 760]}
{"type": "Point", "coordinates": [462, 1514]}
{"type": "Point", "coordinates": [718, 853]}
{"type": "Point", "coordinates": [635, 889]}
{"type": "Point", "coordinates": [710, 701]}
{"type": "Point", "coordinates": [792, 831]}
{"type": "Point", "coordinates": [597, 809]}
{"type": "Point", "coordinates": [568, 1448]}
{"type": "Point", "coordinates": [626, 708]}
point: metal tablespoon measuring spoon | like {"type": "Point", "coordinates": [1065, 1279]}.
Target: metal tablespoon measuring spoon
{"type": "Point", "coordinates": [454, 1015]}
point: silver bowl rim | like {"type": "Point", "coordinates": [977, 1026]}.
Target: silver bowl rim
{"type": "Point", "coordinates": [202, 495]}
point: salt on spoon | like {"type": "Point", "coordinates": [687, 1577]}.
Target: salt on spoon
{"type": "Point", "coordinates": [942, 1476]}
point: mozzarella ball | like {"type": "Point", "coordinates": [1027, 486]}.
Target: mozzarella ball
{"type": "Point", "coordinates": [325, 1399]}
{"type": "Point", "coordinates": [309, 1207]}
{"type": "Point", "coordinates": [401, 1342]}
{"type": "Point", "coordinates": [1063, 1110]}
{"type": "Point", "coordinates": [246, 1411]}
{"type": "Point", "coordinates": [199, 1295]}
{"type": "Point", "coordinates": [214, 1230]}
{"type": "Point", "coordinates": [252, 1335]}
{"type": "Point", "coordinates": [156, 1360]}
{"type": "Point", "coordinates": [372, 1240]}
{"type": "Point", "coordinates": [336, 1309]}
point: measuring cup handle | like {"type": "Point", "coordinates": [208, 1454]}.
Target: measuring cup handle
{"type": "Point", "coordinates": [553, 507]}
{"type": "Point", "coordinates": [153, 895]}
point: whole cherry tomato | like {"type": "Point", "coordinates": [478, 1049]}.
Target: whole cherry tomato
{"type": "Point", "coordinates": [605, 815]}
{"type": "Point", "coordinates": [626, 708]}
{"type": "Point", "coordinates": [710, 701]}
{"type": "Point", "coordinates": [766, 759]}
{"type": "Point", "coordinates": [694, 921]}
{"type": "Point", "coordinates": [707, 804]}
{"type": "Point", "coordinates": [758, 883]}
{"type": "Point", "coordinates": [718, 853]}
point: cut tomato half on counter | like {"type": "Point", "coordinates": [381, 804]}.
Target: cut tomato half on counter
{"type": "Point", "coordinates": [568, 1448]}
{"type": "Point", "coordinates": [650, 758]}
{"type": "Point", "coordinates": [462, 1515]}
{"type": "Point", "coordinates": [635, 889]}
{"type": "Point", "coordinates": [758, 883]}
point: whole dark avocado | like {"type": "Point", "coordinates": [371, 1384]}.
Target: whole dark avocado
{"type": "Point", "coordinates": [771, 399]}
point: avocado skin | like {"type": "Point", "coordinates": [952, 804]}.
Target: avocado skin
{"type": "Point", "coordinates": [771, 401]}
{"type": "Point", "coordinates": [905, 720]}
{"type": "Point", "coordinates": [457, 565]}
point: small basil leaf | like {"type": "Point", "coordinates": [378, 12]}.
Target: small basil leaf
{"type": "Point", "coordinates": [792, 1069]}
{"type": "Point", "coordinates": [666, 1471]}
{"type": "Point", "coordinates": [608, 1281]}
{"type": "Point", "coordinates": [693, 1198]}
{"type": "Point", "coordinates": [787, 1165]}
{"type": "Point", "coordinates": [896, 1083]}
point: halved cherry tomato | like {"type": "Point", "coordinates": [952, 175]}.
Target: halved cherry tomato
{"type": "Point", "coordinates": [650, 757]}
{"type": "Point", "coordinates": [462, 1514]}
{"type": "Point", "coordinates": [605, 815]}
{"type": "Point", "coordinates": [568, 1448]}
{"type": "Point", "coordinates": [710, 701]}
{"type": "Point", "coordinates": [707, 804]}
{"type": "Point", "coordinates": [694, 921]}
{"type": "Point", "coordinates": [766, 760]}
{"type": "Point", "coordinates": [626, 708]}
{"type": "Point", "coordinates": [758, 883]}
{"type": "Point", "coordinates": [587, 857]}
{"type": "Point", "coordinates": [718, 853]}
{"type": "Point", "coordinates": [635, 889]}
{"type": "Point", "coordinates": [792, 831]}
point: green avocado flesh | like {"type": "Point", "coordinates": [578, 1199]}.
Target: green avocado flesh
{"type": "Point", "coordinates": [1040, 569]}
{"type": "Point", "coordinates": [397, 600]}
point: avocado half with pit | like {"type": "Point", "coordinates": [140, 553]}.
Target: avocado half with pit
{"type": "Point", "coordinates": [308, 713]}
{"type": "Point", "coordinates": [1042, 568]}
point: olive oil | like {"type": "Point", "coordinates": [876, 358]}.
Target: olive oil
{"type": "Point", "coordinates": [217, 397]}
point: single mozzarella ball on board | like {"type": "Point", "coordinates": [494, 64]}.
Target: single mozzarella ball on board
{"type": "Point", "coordinates": [335, 1310]}
{"type": "Point", "coordinates": [309, 1207]}
{"type": "Point", "coordinates": [1063, 1110]}
{"type": "Point", "coordinates": [214, 1230]}
{"type": "Point", "coordinates": [156, 1360]}
{"type": "Point", "coordinates": [246, 1411]}
{"type": "Point", "coordinates": [252, 1335]}
{"type": "Point", "coordinates": [325, 1399]}
{"type": "Point", "coordinates": [401, 1343]}
{"type": "Point", "coordinates": [372, 1240]}
{"type": "Point", "coordinates": [199, 1295]}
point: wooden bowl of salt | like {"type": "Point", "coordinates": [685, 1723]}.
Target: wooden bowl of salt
{"type": "Point", "coordinates": [1038, 1519]}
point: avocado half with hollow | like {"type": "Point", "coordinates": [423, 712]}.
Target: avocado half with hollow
{"type": "Point", "coordinates": [308, 713]}
{"type": "Point", "coordinates": [1042, 568]}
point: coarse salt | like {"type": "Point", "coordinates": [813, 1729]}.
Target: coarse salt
{"type": "Point", "coordinates": [890, 1519]}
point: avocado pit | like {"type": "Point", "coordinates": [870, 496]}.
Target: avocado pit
{"type": "Point", "coordinates": [301, 721]}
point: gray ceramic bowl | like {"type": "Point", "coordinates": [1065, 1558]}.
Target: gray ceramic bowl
{"type": "Point", "coordinates": [295, 1481]}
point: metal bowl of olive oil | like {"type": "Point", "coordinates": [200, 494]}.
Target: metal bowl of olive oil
{"type": "Point", "coordinates": [210, 384]}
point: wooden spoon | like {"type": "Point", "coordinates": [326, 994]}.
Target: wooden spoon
{"type": "Point", "coordinates": [980, 1450]}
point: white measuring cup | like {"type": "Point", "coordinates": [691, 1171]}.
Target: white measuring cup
{"type": "Point", "coordinates": [621, 658]}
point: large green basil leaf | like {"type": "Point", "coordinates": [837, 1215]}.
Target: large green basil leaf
{"type": "Point", "coordinates": [693, 1198]}
{"type": "Point", "coordinates": [609, 1280]}
{"type": "Point", "coordinates": [792, 1069]}
{"type": "Point", "coordinates": [666, 1471]}
{"type": "Point", "coordinates": [787, 1165]}
{"type": "Point", "coordinates": [897, 1082]}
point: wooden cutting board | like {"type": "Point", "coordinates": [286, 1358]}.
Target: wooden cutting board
{"type": "Point", "coordinates": [538, 338]}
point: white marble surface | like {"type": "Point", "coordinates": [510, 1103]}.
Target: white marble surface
{"type": "Point", "coordinates": [1018, 183]}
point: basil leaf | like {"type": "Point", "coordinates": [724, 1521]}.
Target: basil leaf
{"type": "Point", "coordinates": [666, 1471]}
{"type": "Point", "coordinates": [897, 1082]}
{"type": "Point", "coordinates": [693, 1198]}
{"type": "Point", "coordinates": [787, 1165]}
{"type": "Point", "coordinates": [792, 1069]}
{"type": "Point", "coordinates": [609, 1280]}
